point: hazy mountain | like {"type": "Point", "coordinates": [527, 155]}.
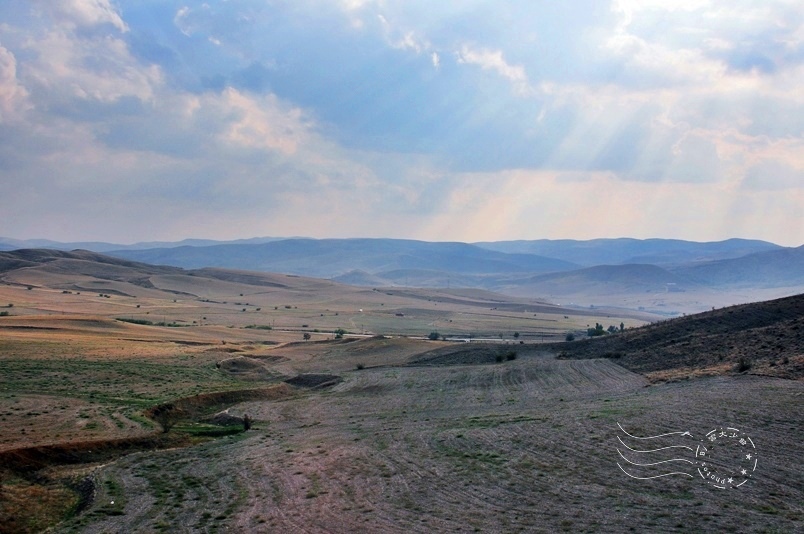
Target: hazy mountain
{"type": "Point", "coordinates": [627, 250]}
{"type": "Point", "coordinates": [329, 258]}
{"type": "Point", "coordinates": [776, 268]}
{"type": "Point", "coordinates": [7, 243]}
{"type": "Point", "coordinates": [601, 280]}
{"type": "Point", "coordinates": [709, 276]}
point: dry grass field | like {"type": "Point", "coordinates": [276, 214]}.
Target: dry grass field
{"type": "Point", "coordinates": [379, 431]}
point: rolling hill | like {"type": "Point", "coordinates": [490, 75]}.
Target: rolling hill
{"type": "Point", "coordinates": [765, 338]}
{"type": "Point", "coordinates": [662, 275]}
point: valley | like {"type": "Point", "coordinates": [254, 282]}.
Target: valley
{"type": "Point", "coordinates": [368, 425]}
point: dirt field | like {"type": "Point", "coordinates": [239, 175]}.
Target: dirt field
{"type": "Point", "coordinates": [379, 433]}
{"type": "Point", "coordinates": [525, 445]}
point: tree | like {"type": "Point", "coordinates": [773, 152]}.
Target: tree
{"type": "Point", "coordinates": [166, 415]}
{"type": "Point", "coordinates": [433, 336]}
{"type": "Point", "coordinates": [339, 333]}
{"type": "Point", "coordinates": [246, 422]}
{"type": "Point", "coordinates": [570, 336]}
{"type": "Point", "coordinates": [306, 336]}
{"type": "Point", "coordinates": [516, 335]}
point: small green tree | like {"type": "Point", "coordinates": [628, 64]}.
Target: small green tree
{"type": "Point", "coordinates": [516, 335]}
{"type": "Point", "coordinates": [306, 336]}
{"type": "Point", "coordinates": [339, 333]}
{"type": "Point", "coordinates": [570, 337]}
{"type": "Point", "coordinates": [433, 336]}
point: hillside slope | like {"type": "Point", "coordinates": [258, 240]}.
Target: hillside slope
{"type": "Point", "coordinates": [764, 338]}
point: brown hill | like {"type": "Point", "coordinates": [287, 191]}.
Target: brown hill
{"type": "Point", "coordinates": [764, 338]}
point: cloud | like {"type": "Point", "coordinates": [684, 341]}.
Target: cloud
{"type": "Point", "coordinates": [493, 60]}
{"type": "Point", "coordinates": [82, 13]}
{"type": "Point", "coordinates": [453, 120]}
{"type": "Point", "coordinates": [13, 96]}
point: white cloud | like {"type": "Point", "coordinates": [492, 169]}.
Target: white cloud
{"type": "Point", "coordinates": [261, 122]}
{"type": "Point", "coordinates": [99, 68]}
{"type": "Point", "coordinates": [403, 40]}
{"type": "Point", "coordinates": [493, 60]}
{"type": "Point", "coordinates": [83, 13]}
{"type": "Point", "coordinates": [13, 96]}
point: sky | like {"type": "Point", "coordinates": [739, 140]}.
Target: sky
{"type": "Point", "coordinates": [141, 120]}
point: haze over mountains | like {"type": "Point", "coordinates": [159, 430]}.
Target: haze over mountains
{"type": "Point", "coordinates": [667, 275]}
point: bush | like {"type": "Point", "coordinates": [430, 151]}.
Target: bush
{"type": "Point", "coordinates": [433, 336]}
{"type": "Point", "coordinates": [246, 422]}
{"type": "Point", "coordinates": [510, 355]}
{"type": "Point", "coordinates": [570, 337]}
{"type": "Point", "coordinates": [596, 331]}
{"type": "Point", "coordinates": [4, 314]}
{"type": "Point", "coordinates": [339, 333]}
{"type": "Point", "coordinates": [742, 366]}
{"type": "Point", "coordinates": [360, 366]}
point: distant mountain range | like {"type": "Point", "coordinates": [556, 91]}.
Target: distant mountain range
{"type": "Point", "coordinates": [600, 270]}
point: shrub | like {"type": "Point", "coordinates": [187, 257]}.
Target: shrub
{"type": "Point", "coordinates": [569, 337]}
{"type": "Point", "coordinates": [596, 331]}
{"type": "Point", "coordinates": [339, 333]}
{"type": "Point", "coordinates": [166, 415]}
{"type": "Point", "coordinates": [360, 366]}
{"type": "Point", "coordinates": [742, 366]}
{"type": "Point", "coordinates": [246, 422]}
{"type": "Point", "coordinates": [510, 355]}
{"type": "Point", "coordinates": [433, 336]}
{"type": "Point", "coordinates": [4, 314]}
